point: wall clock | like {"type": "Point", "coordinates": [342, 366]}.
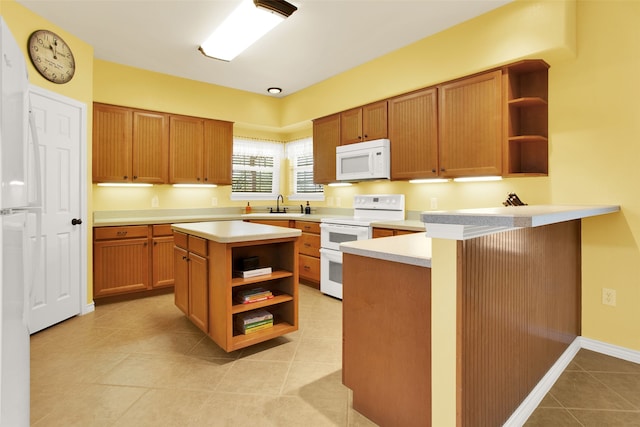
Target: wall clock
{"type": "Point", "coordinates": [51, 56]}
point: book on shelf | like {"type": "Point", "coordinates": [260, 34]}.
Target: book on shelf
{"type": "Point", "coordinates": [260, 271]}
{"type": "Point", "coordinates": [258, 328]}
{"type": "Point", "coordinates": [253, 317]}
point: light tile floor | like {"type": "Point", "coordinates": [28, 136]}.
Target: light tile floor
{"type": "Point", "coordinates": [142, 363]}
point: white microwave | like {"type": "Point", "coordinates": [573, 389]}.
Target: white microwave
{"type": "Point", "coordinates": [364, 161]}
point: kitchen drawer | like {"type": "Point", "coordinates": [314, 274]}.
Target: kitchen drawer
{"type": "Point", "coordinates": [309, 267]}
{"type": "Point", "coordinates": [198, 245]}
{"type": "Point", "coordinates": [308, 226]}
{"type": "Point", "coordinates": [128, 232]}
{"type": "Point", "coordinates": [310, 244]}
{"type": "Point", "coordinates": [162, 230]}
{"type": "Point", "coordinates": [382, 232]}
{"type": "Point", "coordinates": [180, 240]}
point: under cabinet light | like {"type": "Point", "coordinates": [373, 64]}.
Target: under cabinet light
{"type": "Point", "coordinates": [251, 20]}
{"type": "Point", "coordinates": [123, 184]}
{"type": "Point", "coordinates": [429, 181]}
{"type": "Point", "coordinates": [195, 185]}
{"type": "Point", "coordinates": [340, 184]}
{"type": "Point", "coordinates": [478, 178]}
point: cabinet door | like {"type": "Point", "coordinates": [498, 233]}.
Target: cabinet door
{"type": "Point", "coordinates": [185, 154]}
{"type": "Point", "coordinates": [150, 154]}
{"type": "Point", "coordinates": [374, 121]}
{"type": "Point", "coordinates": [112, 139]}
{"type": "Point", "coordinates": [326, 137]}
{"type": "Point", "coordinates": [181, 287]}
{"type": "Point", "coordinates": [413, 130]}
{"type": "Point", "coordinates": [198, 292]}
{"type": "Point", "coordinates": [218, 151]}
{"type": "Point", "coordinates": [162, 265]}
{"type": "Point", "coordinates": [470, 127]}
{"type": "Point", "coordinates": [120, 266]}
{"type": "Point", "coordinates": [351, 126]}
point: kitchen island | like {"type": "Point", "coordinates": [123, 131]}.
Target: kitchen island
{"type": "Point", "coordinates": [500, 305]}
{"type": "Point", "coordinates": [207, 287]}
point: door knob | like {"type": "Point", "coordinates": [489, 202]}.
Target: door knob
{"type": "Point", "coordinates": [76, 221]}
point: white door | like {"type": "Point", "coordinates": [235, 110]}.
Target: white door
{"type": "Point", "coordinates": [57, 290]}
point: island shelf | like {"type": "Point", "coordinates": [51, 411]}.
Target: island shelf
{"type": "Point", "coordinates": [227, 242]}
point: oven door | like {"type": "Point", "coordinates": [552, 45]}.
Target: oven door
{"type": "Point", "coordinates": [331, 235]}
{"type": "Point", "coordinates": [331, 272]}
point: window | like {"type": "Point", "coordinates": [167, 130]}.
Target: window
{"type": "Point", "coordinates": [300, 156]}
{"type": "Point", "coordinates": [256, 169]}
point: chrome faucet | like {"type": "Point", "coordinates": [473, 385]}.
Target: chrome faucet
{"type": "Point", "coordinates": [278, 202]}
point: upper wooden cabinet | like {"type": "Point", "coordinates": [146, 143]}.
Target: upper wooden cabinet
{"type": "Point", "coordinates": [490, 123]}
{"type": "Point", "coordinates": [470, 126]}
{"type": "Point", "coordinates": [413, 131]}
{"type": "Point", "coordinates": [363, 123]}
{"type": "Point", "coordinates": [200, 150]}
{"type": "Point", "coordinates": [526, 127]}
{"type": "Point", "coordinates": [326, 137]}
{"type": "Point", "coordinates": [129, 145]}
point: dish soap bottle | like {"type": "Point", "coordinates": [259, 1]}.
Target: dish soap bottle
{"type": "Point", "coordinates": [248, 208]}
{"type": "Point", "coordinates": [307, 209]}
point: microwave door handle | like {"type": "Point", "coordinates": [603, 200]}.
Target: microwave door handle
{"type": "Point", "coordinates": [371, 163]}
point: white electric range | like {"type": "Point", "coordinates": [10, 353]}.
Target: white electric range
{"type": "Point", "coordinates": [367, 208]}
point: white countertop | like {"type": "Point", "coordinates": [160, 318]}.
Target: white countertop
{"type": "Point", "coordinates": [236, 231]}
{"type": "Point", "coordinates": [414, 249]}
{"type": "Point", "coordinates": [469, 223]}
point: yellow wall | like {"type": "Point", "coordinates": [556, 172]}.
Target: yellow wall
{"type": "Point", "coordinates": [593, 126]}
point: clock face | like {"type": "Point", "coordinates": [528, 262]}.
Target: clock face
{"type": "Point", "coordinates": [51, 56]}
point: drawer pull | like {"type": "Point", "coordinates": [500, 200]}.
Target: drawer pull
{"type": "Point", "coordinates": [121, 233]}
{"type": "Point", "coordinates": [306, 267]}
{"type": "Point", "coordinates": [307, 245]}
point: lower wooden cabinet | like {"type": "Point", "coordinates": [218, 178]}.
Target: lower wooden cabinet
{"type": "Point", "coordinates": [131, 259]}
{"type": "Point", "coordinates": [388, 232]}
{"type": "Point", "coordinates": [309, 253]}
{"type": "Point", "coordinates": [191, 291]}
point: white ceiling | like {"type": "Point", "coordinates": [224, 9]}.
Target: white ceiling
{"type": "Point", "coordinates": [321, 39]}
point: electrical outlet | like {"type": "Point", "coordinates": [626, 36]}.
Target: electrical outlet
{"type": "Point", "coordinates": [155, 202]}
{"type": "Point", "coordinates": [609, 296]}
{"type": "Point", "coordinates": [214, 201]}
{"type": "Point", "coordinates": [434, 203]}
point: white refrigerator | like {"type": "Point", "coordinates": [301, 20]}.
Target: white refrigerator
{"type": "Point", "coordinates": [19, 176]}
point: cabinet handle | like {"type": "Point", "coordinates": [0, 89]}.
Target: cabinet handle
{"type": "Point", "coordinates": [306, 267]}
{"type": "Point", "coordinates": [198, 178]}
{"type": "Point", "coordinates": [121, 233]}
{"type": "Point", "coordinates": [184, 258]}
{"type": "Point", "coordinates": [433, 170]}
{"type": "Point", "coordinates": [307, 245]}
{"type": "Point", "coordinates": [366, 136]}
{"type": "Point", "coordinates": [145, 244]}
{"type": "Point", "coordinates": [155, 243]}
{"type": "Point", "coordinates": [206, 179]}
{"type": "Point", "coordinates": [442, 169]}
{"type": "Point", "coordinates": [125, 177]}
{"type": "Point", "coordinates": [307, 227]}
{"type": "Point", "coordinates": [135, 176]}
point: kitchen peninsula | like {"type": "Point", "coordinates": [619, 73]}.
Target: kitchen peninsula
{"type": "Point", "coordinates": [207, 290]}
{"type": "Point", "coordinates": [497, 307]}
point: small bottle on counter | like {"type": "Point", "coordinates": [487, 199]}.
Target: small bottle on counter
{"type": "Point", "coordinates": [307, 209]}
{"type": "Point", "coordinates": [248, 208]}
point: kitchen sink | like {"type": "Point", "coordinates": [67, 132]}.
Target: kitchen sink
{"type": "Point", "coordinates": [273, 215]}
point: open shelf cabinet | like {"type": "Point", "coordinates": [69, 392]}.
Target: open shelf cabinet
{"type": "Point", "coordinates": [526, 125]}
{"type": "Point", "coordinates": [279, 254]}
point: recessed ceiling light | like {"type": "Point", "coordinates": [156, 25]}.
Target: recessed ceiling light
{"type": "Point", "coordinates": [274, 90]}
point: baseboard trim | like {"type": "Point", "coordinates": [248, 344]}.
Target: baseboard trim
{"type": "Point", "coordinates": [531, 402]}
{"type": "Point", "coordinates": [88, 308]}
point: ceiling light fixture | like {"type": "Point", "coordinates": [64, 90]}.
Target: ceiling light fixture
{"type": "Point", "coordinates": [274, 90]}
{"type": "Point", "coordinates": [251, 20]}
